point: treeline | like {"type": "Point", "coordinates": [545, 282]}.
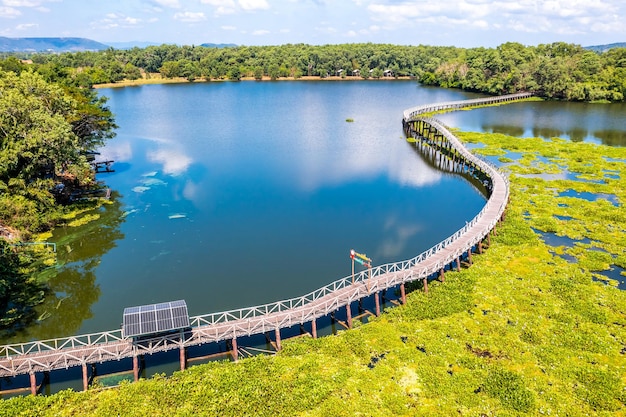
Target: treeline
{"type": "Point", "coordinates": [556, 71]}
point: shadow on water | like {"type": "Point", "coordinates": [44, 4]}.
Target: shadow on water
{"type": "Point", "coordinates": [431, 158]}
{"type": "Point", "coordinates": [72, 284]}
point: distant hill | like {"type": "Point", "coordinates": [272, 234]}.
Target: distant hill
{"type": "Point", "coordinates": [604, 48]}
{"type": "Point", "coordinates": [219, 45]}
{"type": "Point", "coordinates": [49, 45]}
{"type": "Point", "coordinates": [132, 44]}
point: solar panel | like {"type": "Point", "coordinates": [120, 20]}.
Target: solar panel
{"type": "Point", "coordinates": [155, 318]}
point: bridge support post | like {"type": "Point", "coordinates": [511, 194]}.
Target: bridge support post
{"type": "Point", "coordinates": [234, 351]}
{"type": "Point", "coordinates": [377, 304]}
{"type": "Point", "coordinates": [403, 293]}
{"type": "Point", "coordinates": [489, 239]}
{"type": "Point", "coordinates": [85, 377]}
{"type": "Point", "coordinates": [348, 316]}
{"type": "Point", "coordinates": [425, 283]}
{"type": "Point", "coordinates": [458, 264]}
{"type": "Point", "coordinates": [183, 358]}
{"type": "Point", "coordinates": [33, 383]}
{"type": "Point", "coordinates": [136, 368]}
{"type": "Point", "coordinates": [480, 247]}
{"type": "Point", "coordinates": [278, 345]}
{"type": "Point", "coordinates": [442, 275]}
{"type": "Point", "coordinates": [314, 329]}
{"type": "Point", "coordinates": [469, 256]}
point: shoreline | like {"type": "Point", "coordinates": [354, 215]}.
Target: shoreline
{"type": "Point", "coordinates": [157, 79]}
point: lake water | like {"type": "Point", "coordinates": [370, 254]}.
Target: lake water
{"type": "Point", "coordinates": [230, 195]}
{"type": "Point", "coordinates": [596, 123]}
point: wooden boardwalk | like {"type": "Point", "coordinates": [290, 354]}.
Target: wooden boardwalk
{"type": "Point", "coordinates": [44, 356]}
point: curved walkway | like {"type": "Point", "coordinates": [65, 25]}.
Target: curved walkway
{"type": "Point", "coordinates": [41, 356]}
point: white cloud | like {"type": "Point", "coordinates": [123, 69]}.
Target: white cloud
{"type": "Point", "coordinates": [254, 4]}
{"type": "Point", "coordinates": [174, 4]}
{"type": "Point", "coordinates": [27, 26]}
{"type": "Point", "coordinates": [226, 27]}
{"type": "Point", "coordinates": [116, 20]}
{"type": "Point", "coordinates": [555, 16]}
{"type": "Point", "coordinates": [9, 12]}
{"type": "Point", "coordinates": [190, 17]}
{"type": "Point", "coordinates": [21, 3]}
{"type": "Point", "coordinates": [219, 3]}
{"type": "Point", "coordinates": [260, 32]}
{"type": "Point", "coordinates": [221, 11]}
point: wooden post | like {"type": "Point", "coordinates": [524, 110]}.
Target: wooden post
{"type": "Point", "coordinates": [403, 293]}
{"type": "Point", "coordinates": [136, 368]}
{"type": "Point", "coordinates": [234, 351]}
{"type": "Point", "coordinates": [377, 303]}
{"type": "Point", "coordinates": [314, 329]}
{"type": "Point", "coordinates": [33, 383]}
{"type": "Point", "coordinates": [277, 331]}
{"type": "Point", "coordinates": [442, 275]}
{"type": "Point", "coordinates": [85, 378]}
{"type": "Point", "coordinates": [480, 247]}
{"type": "Point", "coordinates": [349, 316]}
{"type": "Point", "coordinates": [458, 264]}
{"type": "Point", "coordinates": [488, 239]}
{"type": "Point", "coordinates": [425, 282]}
{"type": "Point", "coordinates": [183, 358]}
{"type": "Point", "coordinates": [469, 255]}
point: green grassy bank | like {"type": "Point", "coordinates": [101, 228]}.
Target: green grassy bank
{"type": "Point", "coordinates": [522, 332]}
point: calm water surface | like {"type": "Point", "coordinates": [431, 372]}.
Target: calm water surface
{"type": "Point", "coordinates": [230, 195]}
{"type": "Point", "coordinates": [597, 123]}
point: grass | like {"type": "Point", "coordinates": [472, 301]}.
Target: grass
{"type": "Point", "coordinates": [521, 332]}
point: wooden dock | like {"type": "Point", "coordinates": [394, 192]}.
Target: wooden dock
{"type": "Point", "coordinates": [83, 350]}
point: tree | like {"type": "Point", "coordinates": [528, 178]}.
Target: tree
{"type": "Point", "coordinates": [45, 131]}
{"type": "Point", "coordinates": [170, 69]}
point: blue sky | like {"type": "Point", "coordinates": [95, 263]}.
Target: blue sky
{"type": "Point", "coordinates": [465, 23]}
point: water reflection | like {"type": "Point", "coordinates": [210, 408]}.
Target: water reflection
{"type": "Point", "coordinates": [578, 122]}
{"type": "Point", "coordinates": [73, 287]}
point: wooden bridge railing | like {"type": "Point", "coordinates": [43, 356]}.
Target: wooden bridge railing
{"type": "Point", "coordinates": [109, 345]}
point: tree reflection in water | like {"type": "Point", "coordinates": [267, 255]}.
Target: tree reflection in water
{"type": "Point", "coordinates": [72, 284]}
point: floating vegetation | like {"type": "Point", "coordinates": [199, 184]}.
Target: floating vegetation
{"type": "Point", "coordinates": [153, 182]}
{"type": "Point", "coordinates": [140, 189]}
{"type": "Point", "coordinates": [160, 254]}
{"type": "Point", "coordinates": [44, 316]}
{"type": "Point", "coordinates": [87, 218]}
{"type": "Point", "coordinates": [129, 212]}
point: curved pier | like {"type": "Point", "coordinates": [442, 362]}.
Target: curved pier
{"type": "Point", "coordinates": [83, 350]}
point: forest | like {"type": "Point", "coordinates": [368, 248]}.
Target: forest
{"type": "Point", "coordinates": [555, 71]}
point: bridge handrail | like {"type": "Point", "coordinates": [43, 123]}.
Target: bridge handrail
{"type": "Point", "coordinates": [412, 112]}
{"type": "Point", "coordinates": [403, 269]}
